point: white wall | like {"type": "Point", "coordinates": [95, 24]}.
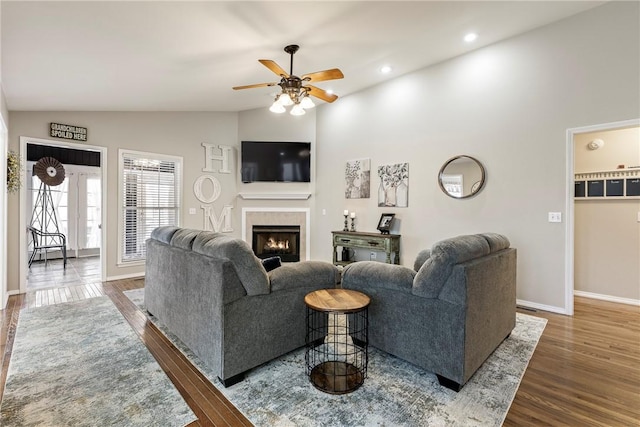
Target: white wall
{"type": "Point", "coordinates": [178, 134]}
{"type": "Point", "coordinates": [263, 125]}
{"type": "Point", "coordinates": [509, 105]}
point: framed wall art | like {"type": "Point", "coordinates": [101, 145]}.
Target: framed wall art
{"type": "Point", "coordinates": [394, 185]}
{"type": "Point", "coordinates": [357, 177]}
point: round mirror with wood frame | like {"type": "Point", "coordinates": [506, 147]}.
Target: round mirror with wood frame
{"type": "Point", "coordinates": [461, 177]}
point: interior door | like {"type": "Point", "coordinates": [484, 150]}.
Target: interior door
{"type": "Point", "coordinates": [77, 203]}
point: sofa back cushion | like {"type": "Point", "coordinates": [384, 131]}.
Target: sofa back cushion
{"type": "Point", "coordinates": [497, 242]}
{"type": "Point", "coordinates": [423, 255]}
{"type": "Point", "coordinates": [444, 255]}
{"type": "Point", "coordinates": [183, 238]}
{"type": "Point", "coordinates": [248, 267]}
{"type": "Point", "coordinates": [164, 234]}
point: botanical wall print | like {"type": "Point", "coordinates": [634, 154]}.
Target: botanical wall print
{"type": "Point", "coordinates": [357, 178]}
{"type": "Point", "coordinates": [394, 185]}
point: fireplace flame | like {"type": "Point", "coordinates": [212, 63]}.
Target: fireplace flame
{"type": "Point", "coordinates": [272, 243]}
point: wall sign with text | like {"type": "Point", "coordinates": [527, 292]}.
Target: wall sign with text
{"type": "Point", "coordinates": [77, 133]}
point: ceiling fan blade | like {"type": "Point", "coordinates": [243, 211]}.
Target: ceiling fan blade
{"type": "Point", "coordinates": [274, 67]}
{"type": "Point", "coordinates": [319, 76]}
{"type": "Point", "coordinates": [255, 85]}
{"type": "Point", "coordinates": [320, 93]}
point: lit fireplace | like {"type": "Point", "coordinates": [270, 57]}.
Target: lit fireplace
{"type": "Point", "coordinates": [277, 240]}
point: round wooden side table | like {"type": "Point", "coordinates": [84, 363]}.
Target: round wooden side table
{"type": "Point", "coordinates": [337, 339]}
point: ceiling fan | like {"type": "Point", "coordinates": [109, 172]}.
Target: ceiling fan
{"type": "Point", "coordinates": [296, 90]}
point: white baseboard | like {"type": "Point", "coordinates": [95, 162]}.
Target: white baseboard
{"type": "Point", "coordinates": [543, 307]}
{"type": "Point", "coordinates": [609, 298]}
{"type": "Point", "coordinates": [13, 292]}
{"type": "Point", "coordinates": [125, 276]}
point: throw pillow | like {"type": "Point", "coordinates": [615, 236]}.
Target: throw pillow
{"type": "Point", "coordinates": [271, 263]}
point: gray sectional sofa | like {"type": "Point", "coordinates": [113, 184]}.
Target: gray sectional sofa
{"type": "Point", "coordinates": [214, 294]}
{"type": "Point", "coordinates": [449, 313]}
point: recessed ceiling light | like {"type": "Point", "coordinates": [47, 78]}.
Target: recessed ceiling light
{"type": "Point", "coordinates": [385, 69]}
{"type": "Point", "coordinates": [470, 37]}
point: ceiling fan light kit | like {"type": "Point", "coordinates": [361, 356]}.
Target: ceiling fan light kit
{"type": "Point", "coordinates": [277, 108]}
{"type": "Point", "coordinates": [295, 90]}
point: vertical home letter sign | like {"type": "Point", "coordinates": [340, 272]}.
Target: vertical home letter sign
{"type": "Point", "coordinates": [213, 222]}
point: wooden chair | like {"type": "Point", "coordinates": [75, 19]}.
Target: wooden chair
{"type": "Point", "coordinates": [43, 241]}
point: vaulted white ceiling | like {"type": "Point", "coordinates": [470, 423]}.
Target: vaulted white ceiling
{"type": "Point", "coordinates": [186, 56]}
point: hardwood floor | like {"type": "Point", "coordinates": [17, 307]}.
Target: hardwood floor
{"type": "Point", "coordinates": [585, 370]}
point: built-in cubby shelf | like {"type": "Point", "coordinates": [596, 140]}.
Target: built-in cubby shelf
{"type": "Point", "coordinates": [274, 196]}
{"type": "Point", "coordinates": [619, 184]}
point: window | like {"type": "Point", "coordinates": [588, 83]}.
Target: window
{"type": "Point", "coordinates": [149, 197]}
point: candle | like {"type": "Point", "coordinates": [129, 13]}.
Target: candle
{"type": "Point", "coordinates": [346, 212]}
{"type": "Point", "coordinates": [353, 214]}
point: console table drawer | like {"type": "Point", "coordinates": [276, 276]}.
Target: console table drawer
{"type": "Point", "coordinates": [387, 243]}
{"type": "Point", "coordinates": [359, 242]}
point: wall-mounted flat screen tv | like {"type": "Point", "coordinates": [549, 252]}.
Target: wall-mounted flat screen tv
{"type": "Point", "coordinates": [267, 161]}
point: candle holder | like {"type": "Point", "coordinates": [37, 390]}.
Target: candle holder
{"type": "Point", "coordinates": [346, 224]}
{"type": "Point", "coordinates": [353, 224]}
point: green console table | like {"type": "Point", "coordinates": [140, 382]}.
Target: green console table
{"type": "Point", "coordinates": [387, 243]}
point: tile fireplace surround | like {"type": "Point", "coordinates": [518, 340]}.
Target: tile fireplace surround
{"type": "Point", "coordinates": [279, 216]}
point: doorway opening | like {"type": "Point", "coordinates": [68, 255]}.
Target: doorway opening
{"type": "Point", "coordinates": [77, 206]}
{"type": "Point", "coordinates": [581, 208]}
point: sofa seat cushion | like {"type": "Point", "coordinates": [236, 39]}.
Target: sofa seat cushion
{"type": "Point", "coordinates": [444, 256]}
{"type": "Point", "coordinates": [372, 274]}
{"type": "Point", "coordinates": [303, 274]}
{"type": "Point", "coordinates": [248, 267]}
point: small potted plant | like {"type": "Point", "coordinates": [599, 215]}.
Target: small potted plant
{"type": "Point", "coordinates": [14, 172]}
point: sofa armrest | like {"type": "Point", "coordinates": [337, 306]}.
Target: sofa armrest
{"type": "Point", "coordinates": [312, 274]}
{"type": "Point", "coordinates": [371, 274]}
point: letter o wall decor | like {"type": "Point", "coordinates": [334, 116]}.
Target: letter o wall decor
{"type": "Point", "coordinates": [197, 188]}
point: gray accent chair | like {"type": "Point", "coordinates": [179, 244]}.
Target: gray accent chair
{"type": "Point", "coordinates": [213, 293]}
{"type": "Point", "coordinates": [449, 313]}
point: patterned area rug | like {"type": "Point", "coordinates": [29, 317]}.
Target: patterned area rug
{"type": "Point", "coordinates": [81, 364]}
{"type": "Point", "coordinates": [395, 393]}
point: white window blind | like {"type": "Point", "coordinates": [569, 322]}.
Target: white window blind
{"type": "Point", "coordinates": [150, 197]}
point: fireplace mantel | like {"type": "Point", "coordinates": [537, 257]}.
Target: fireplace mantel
{"type": "Point", "coordinates": [274, 196]}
